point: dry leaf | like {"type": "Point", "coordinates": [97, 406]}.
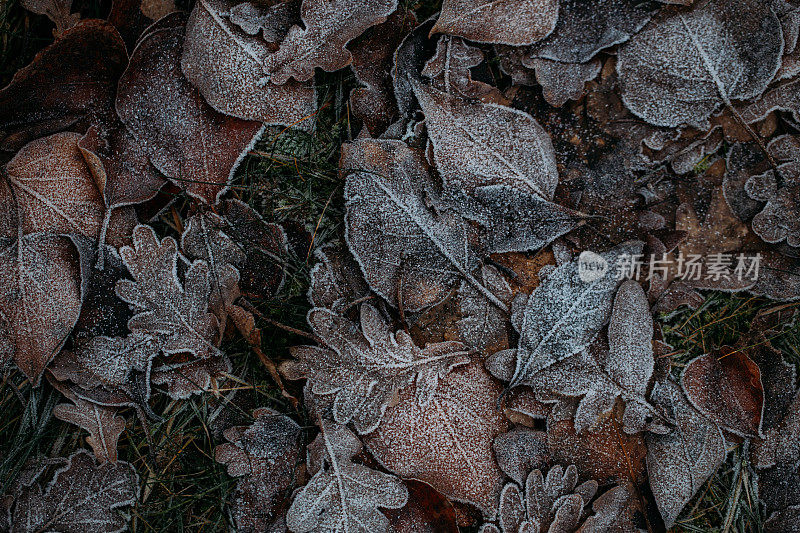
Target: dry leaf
{"type": "Point", "coordinates": [225, 63]}
{"type": "Point", "coordinates": [364, 369]}
{"type": "Point", "coordinates": [477, 144]}
{"type": "Point", "coordinates": [54, 189]}
{"type": "Point", "coordinates": [69, 84]}
{"type": "Point", "coordinates": [726, 387]}
{"type": "Point", "coordinates": [343, 495]}
{"type": "Point", "coordinates": [680, 462]}
{"type": "Point", "coordinates": [181, 375]}
{"type": "Point", "coordinates": [498, 21]}
{"type": "Point", "coordinates": [328, 26]}
{"type": "Point", "coordinates": [563, 81]}
{"type": "Point", "coordinates": [175, 313]}
{"type": "Point", "coordinates": [336, 280]}
{"type": "Point", "coordinates": [482, 325]}
{"type": "Point", "coordinates": [448, 442]}
{"type": "Point", "coordinates": [103, 424]}
{"type": "Point", "coordinates": [58, 11]}
{"type": "Point", "coordinates": [80, 493]}
{"type": "Point", "coordinates": [40, 301]}
{"type": "Point", "coordinates": [720, 51]}
{"type": "Point", "coordinates": [189, 142]}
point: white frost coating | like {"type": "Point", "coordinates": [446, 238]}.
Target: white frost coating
{"type": "Point", "coordinates": [176, 314]}
{"type": "Point", "coordinates": [511, 22]}
{"type": "Point", "coordinates": [225, 64]}
{"type": "Point", "coordinates": [679, 70]}
{"type": "Point", "coordinates": [102, 423]}
{"type": "Point", "coordinates": [329, 26]}
{"type": "Point", "coordinates": [363, 369]}
{"type": "Point", "coordinates": [477, 144]}
{"type": "Point", "coordinates": [561, 318]}
{"type": "Point", "coordinates": [680, 462]}
{"type": "Point", "coordinates": [344, 496]}
{"type": "Point", "coordinates": [482, 325]}
{"type": "Point", "coordinates": [409, 254]}
{"type": "Point", "coordinates": [336, 280]}
{"type": "Point", "coordinates": [563, 81]}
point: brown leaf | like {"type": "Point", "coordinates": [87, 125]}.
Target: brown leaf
{"type": "Point", "coordinates": [373, 54]}
{"type": "Point", "coordinates": [498, 21]}
{"type": "Point", "coordinates": [427, 511]}
{"type": "Point", "coordinates": [726, 387]}
{"type": "Point", "coordinates": [102, 423]}
{"type": "Point", "coordinates": [449, 70]}
{"type": "Point", "coordinates": [448, 442]}
{"type": "Point", "coordinates": [336, 280]}
{"type": "Point", "coordinates": [225, 64]}
{"type": "Point", "coordinates": [181, 375]}
{"type": "Point", "coordinates": [190, 143]}
{"type": "Point", "coordinates": [564, 81]}
{"type": "Point", "coordinates": [520, 451]}
{"type": "Point", "coordinates": [40, 301]}
{"type": "Point", "coordinates": [328, 26]}
{"type": "Point", "coordinates": [69, 85]}
{"type": "Point", "coordinates": [54, 189]}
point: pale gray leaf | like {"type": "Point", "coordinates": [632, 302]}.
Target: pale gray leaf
{"type": "Point", "coordinates": [477, 144]}
{"type": "Point", "coordinates": [679, 462]}
{"type": "Point", "coordinates": [563, 81]}
{"type": "Point", "coordinates": [498, 21]}
{"type": "Point", "coordinates": [721, 50]}
{"type": "Point", "coordinates": [343, 495]}
{"type": "Point", "coordinates": [482, 325]}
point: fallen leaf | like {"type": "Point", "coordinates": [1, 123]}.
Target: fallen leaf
{"type": "Point", "coordinates": [562, 316]}
{"type": "Point", "coordinates": [498, 21]}
{"type": "Point", "coordinates": [427, 511]}
{"type": "Point", "coordinates": [271, 21]}
{"type": "Point", "coordinates": [615, 510]}
{"type": "Point", "coordinates": [448, 442]}
{"type": "Point", "coordinates": [175, 313]}
{"type": "Point", "coordinates": [719, 51]}
{"type": "Point", "coordinates": [58, 11]}
{"type": "Point", "coordinates": [344, 494]}
{"type": "Point", "coordinates": [563, 81]}
{"type": "Point", "coordinates": [482, 325]}
{"type": "Point", "coordinates": [80, 493]}
{"type": "Point", "coordinates": [189, 142]}
{"type": "Point", "coordinates": [328, 26]}
{"type": "Point", "coordinates": [726, 387]}
{"type": "Point", "coordinates": [69, 85]}
{"type": "Point", "coordinates": [181, 376]}
{"type": "Point", "coordinates": [225, 63]}
{"type": "Point", "coordinates": [679, 462]}
{"type": "Point", "coordinates": [520, 451]}
{"type": "Point", "coordinates": [54, 189]}
{"type": "Point", "coordinates": [103, 424]}
{"type": "Point", "coordinates": [472, 145]}
{"type": "Point", "coordinates": [417, 255]}
{"type": "Point", "coordinates": [40, 301]}
{"type": "Point", "coordinates": [336, 280]}
{"type": "Point", "coordinates": [364, 369]}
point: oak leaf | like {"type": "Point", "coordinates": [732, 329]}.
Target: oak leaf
{"type": "Point", "coordinates": [103, 424]}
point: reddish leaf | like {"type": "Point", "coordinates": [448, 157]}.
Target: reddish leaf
{"type": "Point", "coordinates": [427, 511]}
{"type": "Point", "coordinates": [190, 143]}
{"type": "Point", "coordinates": [726, 387]}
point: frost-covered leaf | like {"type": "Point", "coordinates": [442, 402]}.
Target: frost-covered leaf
{"type": "Point", "coordinates": [374, 104]}
{"type": "Point", "coordinates": [449, 69]}
{"type": "Point", "coordinates": [783, 97]}
{"type": "Point", "coordinates": [103, 424]}
{"type": "Point", "coordinates": [80, 493]}
{"type": "Point", "coordinates": [181, 375]}
{"type": "Point", "coordinates": [498, 21]}
{"type": "Point", "coordinates": [720, 51]}
{"type": "Point", "coordinates": [265, 455]}
{"type": "Point", "coordinates": [363, 369]}
{"type": "Point", "coordinates": [58, 11]}
{"type": "Point", "coordinates": [780, 218]}
{"type": "Point", "coordinates": [448, 442]}
{"type": "Point", "coordinates": [271, 21]}
{"type": "Point", "coordinates": [482, 325]}
{"type": "Point", "coordinates": [563, 81]}
{"type": "Point", "coordinates": [550, 504]}
{"type": "Point", "coordinates": [679, 463]}
{"type": "Point", "coordinates": [515, 220]}
{"type": "Point", "coordinates": [175, 313]}
{"type": "Point", "coordinates": [69, 85]}
{"type": "Point", "coordinates": [410, 255]}
{"type": "Point", "coordinates": [477, 144]}
{"type": "Point", "coordinates": [521, 451]}
{"type": "Point", "coordinates": [427, 511]}
{"type": "Point", "coordinates": [193, 145]}
{"type": "Point", "coordinates": [615, 510]}
{"type": "Point", "coordinates": [54, 189]}
{"type": "Point", "coordinates": [343, 495]}
{"type": "Point", "coordinates": [562, 315]}
{"type": "Point", "coordinates": [587, 26]}
{"type": "Point", "coordinates": [336, 280]}
{"type": "Point", "coordinates": [328, 26]}
{"type": "Point", "coordinates": [224, 62]}
{"type": "Point", "coordinates": [726, 387]}
{"type": "Point", "coordinates": [40, 299]}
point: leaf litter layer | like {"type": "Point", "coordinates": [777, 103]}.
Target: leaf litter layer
{"type": "Point", "coordinates": [322, 266]}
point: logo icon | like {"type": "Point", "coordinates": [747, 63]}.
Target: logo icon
{"type": "Point", "coordinates": [591, 266]}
